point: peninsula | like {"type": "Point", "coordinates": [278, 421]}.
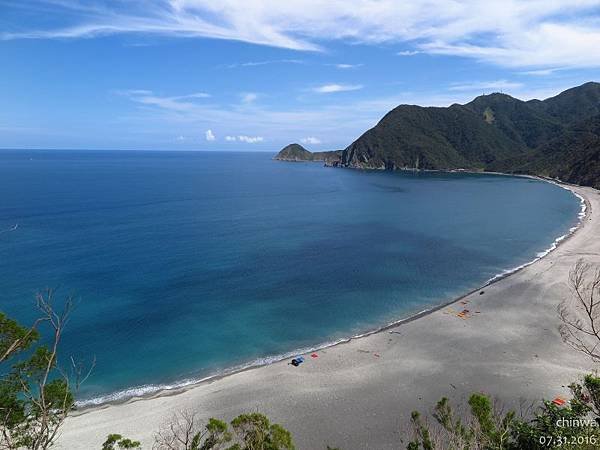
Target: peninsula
{"type": "Point", "coordinates": [297, 153]}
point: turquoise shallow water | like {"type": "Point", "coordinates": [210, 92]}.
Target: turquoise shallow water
{"type": "Point", "coordinates": [187, 264]}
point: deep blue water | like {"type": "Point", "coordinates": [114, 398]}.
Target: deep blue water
{"type": "Point", "coordinates": [186, 264]}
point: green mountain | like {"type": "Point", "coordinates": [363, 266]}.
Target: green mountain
{"type": "Point", "coordinates": [556, 137]}
{"type": "Point", "coordinates": [573, 157]}
{"type": "Point", "coordinates": [295, 152]}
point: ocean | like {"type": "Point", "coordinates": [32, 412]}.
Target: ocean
{"type": "Point", "coordinates": [190, 264]}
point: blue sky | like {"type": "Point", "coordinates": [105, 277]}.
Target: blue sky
{"type": "Point", "coordinates": [256, 75]}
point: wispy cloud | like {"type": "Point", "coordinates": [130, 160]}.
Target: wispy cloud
{"type": "Point", "coordinates": [512, 33]}
{"type": "Point", "coordinates": [334, 87]}
{"type": "Point", "coordinates": [175, 103]}
{"type": "Point", "coordinates": [541, 72]}
{"type": "Point", "coordinates": [348, 66]}
{"type": "Point", "coordinates": [264, 63]}
{"type": "Point", "coordinates": [408, 53]}
{"type": "Point", "coordinates": [244, 138]}
{"type": "Point", "coordinates": [210, 136]}
{"type": "Point", "coordinates": [249, 97]}
{"type": "Point", "coordinates": [250, 139]}
{"type": "Point", "coordinates": [310, 140]}
{"type": "Point", "coordinates": [497, 85]}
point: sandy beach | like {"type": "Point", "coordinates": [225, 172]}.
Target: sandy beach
{"type": "Point", "coordinates": [359, 395]}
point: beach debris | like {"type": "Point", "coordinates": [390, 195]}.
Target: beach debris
{"type": "Point", "coordinates": [297, 361]}
{"type": "Point", "coordinates": [559, 401]}
{"type": "Point", "coordinates": [481, 292]}
{"type": "Point", "coordinates": [376, 355]}
{"type": "Point", "coordinates": [464, 302]}
{"type": "Point", "coordinates": [314, 355]}
{"type": "Point", "coordinates": [394, 332]}
{"type": "Point", "coordinates": [464, 314]}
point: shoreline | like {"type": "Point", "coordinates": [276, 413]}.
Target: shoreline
{"type": "Point", "coordinates": [177, 387]}
{"type": "Point", "coordinates": [507, 346]}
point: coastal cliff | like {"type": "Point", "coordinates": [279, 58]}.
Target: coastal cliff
{"type": "Point", "coordinates": [558, 137]}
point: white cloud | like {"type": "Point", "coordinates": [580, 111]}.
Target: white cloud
{"type": "Point", "coordinates": [310, 140]}
{"type": "Point", "coordinates": [264, 63]}
{"type": "Point", "coordinates": [497, 85]}
{"type": "Point", "coordinates": [250, 139]}
{"type": "Point", "coordinates": [194, 95]}
{"type": "Point", "coordinates": [178, 103]}
{"type": "Point", "coordinates": [180, 138]}
{"type": "Point", "coordinates": [249, 97]}
{"type": "Point", "coordinates": [512, 33]}
{"type": "Point", "coordinates": [333, 87]}
{"type": "Point", "coordinates": [210, 135]}
{"type": "Point", "coordinates": [408, 53]}
{"type": "Point", "coordinates": [348, 66]}
{"type": "Point", "coordinates": [246, 139]}
{"type": "Point", "coordinates": [541, 72]}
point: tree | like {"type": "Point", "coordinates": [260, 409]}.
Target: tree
{"type": "Point", "coordinates": [185, 432]}
{"type": "Point", "coordinates": [256, 432]}
{"type": "Point", "coordinates": [580, 314]}
{"type": "Point", "coordinates": [36, 394]}
{"type": "Point", "coordinates": [571, 427]}
{"type": "Point", "coordinates": [486, 427]}
{"type": "Point", "coordinates": [120, 442]}
{"type": "Point", "coordinates": [251, 432]}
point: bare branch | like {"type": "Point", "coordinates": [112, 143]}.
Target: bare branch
{"type": "Point", "coordinates": [580, 315]}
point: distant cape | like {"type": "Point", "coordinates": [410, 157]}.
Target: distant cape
{"type": "Point", "coordinates": [295, 152]}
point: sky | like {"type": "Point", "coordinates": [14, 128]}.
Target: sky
{"type": "Point", "coordinates": [256, 75]}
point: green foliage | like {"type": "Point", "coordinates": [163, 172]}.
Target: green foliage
{"type": "Point", "coordinates": [217, 433]}
{"type": "Point", "coordinates": [116, 441]}
{"type": "Point", "coordinates": [257, 433]}
{"type": "Point", "coordinates": [14, 337]}
{"type": "Point", "coordinates": [423, 437]}
{"type": "Point", "coordinates": [250, 432]}
{"type": "Point", "coordinates": [35, 396]}
{"type": "Point", "coordinates": [458, 433]}
{"type": "Point", "coordinates": [571, 427]}
{"type": "Point", "coordinates": [484, 429]}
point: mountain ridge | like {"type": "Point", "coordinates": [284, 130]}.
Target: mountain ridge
{"type": "Point", "coordinates": [558, 137]}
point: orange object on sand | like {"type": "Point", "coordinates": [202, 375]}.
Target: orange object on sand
{"type": "Point", "coordinates": [314, 355]}
{"type": "Point", "coordinates": [559, 401]}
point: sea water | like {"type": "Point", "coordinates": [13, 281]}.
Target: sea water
{"type": "Point", "coordinates": [188, 264]}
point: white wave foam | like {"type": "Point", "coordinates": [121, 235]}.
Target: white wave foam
{"type": "Point", "coordinates": [554, 244]}
{"type": "Point", "coordinates": [149, 389]}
